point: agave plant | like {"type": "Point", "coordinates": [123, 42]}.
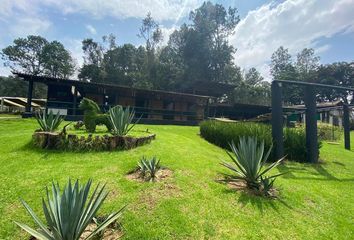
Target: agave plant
{"type": "Point", "coordinates": [69, 213]}
{"type": "Point", "coordinates": [249, 163]}
{"type": "Point", "coordinates": [49, 122]}
{"type": "Point", "coordinates": [149, 166]}
{"type": "Point", "coordinates": [121, 120]}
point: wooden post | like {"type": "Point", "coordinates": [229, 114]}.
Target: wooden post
{"type": "Point", "coordinates": [29, 97]}
{"type": "Point", "coordinates": [346, 126]}
{"type": "Point", "coordinates": [311, 125]}
{"type": "Point", "coordinates": [277, 120]}
{"type": "Point", "coordinates": [2, 105]}
{"type": "Point", "coordinates": [74, 101]}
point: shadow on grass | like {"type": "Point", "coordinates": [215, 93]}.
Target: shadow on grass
{"type": "Point", "coordinates": [319, 170]}
{"type": "Point", "coordinates": [261, 202]}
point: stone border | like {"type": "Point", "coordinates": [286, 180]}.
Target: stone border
{"type": "Point", "coordinates": [61, 141]}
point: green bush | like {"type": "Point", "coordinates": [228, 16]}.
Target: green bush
{"type": "Point", "coordinates": [328, 132]}
{"type": "Point", "coordinates": [295, 143]}
{"type": "Point", "coordinates": [93, 115]}
{"type": "Point", "coordinates": [222, 134]}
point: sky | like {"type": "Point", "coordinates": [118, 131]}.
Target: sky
{"type": "Point", "coordinates": [325, 25]}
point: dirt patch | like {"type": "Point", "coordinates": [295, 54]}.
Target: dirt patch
{"type": "Point", "coordinates": [242, 186]}
{"type": "Point", "coordinates": [161, 175]}
{"type": "Point", "coordinates": [112, 232]}
{"type": "Point", "coordinates": [151, 197]}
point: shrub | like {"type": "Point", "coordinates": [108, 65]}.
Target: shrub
{"type": "Point", "coordinates": [93, 115]}
{"type": "Point", "coordinates": [69, 213]}
{"type": "Point", "coordinates": [248, 164]}
{"type": "Point", "coordinates": [49, 122]}
{"type": "Point", "coordinates": [295, 143]}
{"type": "Point", "coordinates": [121, 120]}
{"type": "Point", "coordinates": [329, 132]}
{"type": "Point", "coordinates": [223, 133]}
{"type": "Point", "coordinates": [149, 167]}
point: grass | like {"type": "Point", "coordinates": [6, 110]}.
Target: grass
{"type": "Point", "coordinates": [316, 201]}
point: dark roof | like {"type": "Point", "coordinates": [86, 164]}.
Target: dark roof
{"type": "Point", "coordinates": [74, 82]}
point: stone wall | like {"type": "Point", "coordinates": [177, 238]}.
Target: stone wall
{"type": "Point", "coordinates": [72, 142]}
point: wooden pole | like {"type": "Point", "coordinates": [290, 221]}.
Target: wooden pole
{"type": "Point", "coordinates": [346, 126]}
{"type": "Point", "coordinates": [277, 120]}
{"type": "Point", "coordinates": [29, 98]}
{"type": "Point", "coordinates": [311, 125]}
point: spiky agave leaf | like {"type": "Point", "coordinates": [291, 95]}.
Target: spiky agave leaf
{"type": "Point", "coordinates": [49, 122]}
{"type": "Point", "coordinates": [150, 166]}
{"type": "Point", "coordinates": [249, 162]}
{"type": "Point", "coordinates": [68, 213]}
{"type": "Point", "coordinates": [121, 120]}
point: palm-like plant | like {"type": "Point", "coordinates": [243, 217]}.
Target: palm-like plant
{"type": "Point", "coordinates": [249, 163]}
{"type": "Point", "coordinates": [121, 120]}
{"type": "Point", "coordinates": [49, 122]}
{"type": "Point", "coordinates": [69, 213]}
{"type": "Point", "coordinates": [150, 166]}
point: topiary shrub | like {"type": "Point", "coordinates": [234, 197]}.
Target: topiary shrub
{"type": "Point", "coordinates": [93, 116]}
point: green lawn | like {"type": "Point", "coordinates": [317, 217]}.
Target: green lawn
{"type": "Point", "coordinates": [316, 202]}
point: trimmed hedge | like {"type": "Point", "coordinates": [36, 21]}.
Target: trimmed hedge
{"type": "Point", "coordinates": [222, 133]}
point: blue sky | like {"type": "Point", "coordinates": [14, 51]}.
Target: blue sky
{"type": "Point", "coordinates": [325, 25]}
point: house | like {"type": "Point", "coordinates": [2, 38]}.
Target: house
{"type": "Point", "coordinates": [153, 106]}
{"type": "Point", "coordinates": [328, 112]}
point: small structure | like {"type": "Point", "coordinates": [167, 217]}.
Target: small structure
{"type": "Point", "coordinates": [18, 104]}
{"type": "Point", "coordinates": [328, 112]}
{"type": "Point", "coordinates": [310, 120]}
{"type": "Point", "coordinates": [152, 106]}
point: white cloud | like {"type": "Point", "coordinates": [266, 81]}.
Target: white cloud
{"type": "Point", "coordinates": [5, 71]}
{"type": "Point", "coordinates": [294, 24]}
{"type": "Point", "coordinates": [29, 26]}
{"type": "Point", "coordinates": [166, 32]}
{"type": "Point", "coordinates": [21, 17]}
{"type": "Point", "coordinates": [91, 29]}
{"type": "Point", "coordinates": [160, 9]}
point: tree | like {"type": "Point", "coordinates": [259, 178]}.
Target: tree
{"type": "Point", "coordinates": [282, 68]}
{"type": "Point", "coordinates": [26, 55]}
{"type": "Point", "coordinates": [150, 32]}
{"type": "Point", "coordinates": [253, 77]}
{"type": "Point", "coordinates": [57, 61]}
{"type": "Point", "coordinates": [93, 59]}
{"type": "Point", "coordinates": [200, 51]}
{"type": "Point", "coordinates": [306, 65]}
{"type": "Point", "coordinates": [213, 24]}
{"type": "Point", "coordinates": [15, 87]}
{"type": "Point", "coordinates": [252, 89]}
{"type": "Point", "coordinates": [35, 55]}
{"type": "Point", "coordinates": [152, 35]}
{"type": "Point", "coordinates": [338, 74]}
